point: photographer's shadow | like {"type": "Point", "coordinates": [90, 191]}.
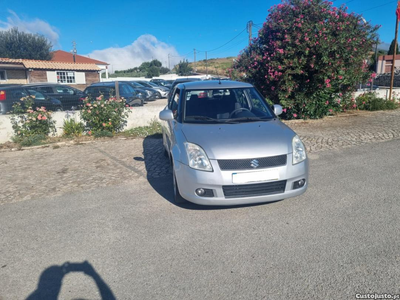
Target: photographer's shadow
{"type": "Point", "coordinates": [50, 281]}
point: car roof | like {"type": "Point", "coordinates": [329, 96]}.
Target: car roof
{"type": "Point", "coordinates": [108, 83]}
{"type": "Point", "coordinates": [42, 83]}
{"type": "Point", "coordinates": [214, 84]}
{"type": "Point", "coordinates": [9, 85]}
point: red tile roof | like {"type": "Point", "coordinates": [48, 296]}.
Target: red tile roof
{"type": "Point", "coordinates": [10, 60]}
{"type": "Point", "coordinates": [63, 56]}
{"type": "Point", "coordinates": [50, 65]}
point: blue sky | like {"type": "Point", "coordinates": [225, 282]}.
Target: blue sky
{"type": "Point", "coordinates": [126, 33]}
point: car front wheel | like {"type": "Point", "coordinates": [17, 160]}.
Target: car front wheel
{"type": "Point", "coordinates": [178, 199]}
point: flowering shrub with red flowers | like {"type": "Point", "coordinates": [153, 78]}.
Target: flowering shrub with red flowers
{"type": "Point", "coordinates": [102, 114]}
{"type": "Point", "coordinates": [28, 120]}
{"type": "Point", "coordinates": [308, 57]}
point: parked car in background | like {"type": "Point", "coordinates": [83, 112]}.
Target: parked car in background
{"type": "Point", "coordinates": [132, 97]}
{"type": "Point", "coordinates": [150, 93]}
{"type": "Point", "coordinates": [71, 98]}
{"type": "Point", "coordinates": [10, 94]}
{"type": "Point", "coordinates": [182, 80]}
{"type": "Point", "coordinates": [227, 146]}
{"type": "Point", "coordinates": [162, 82]}
{"type": "Point", "coordinates": [161, 92]}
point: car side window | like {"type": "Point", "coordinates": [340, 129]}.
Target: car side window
{"type": "Point", "coordinates": [38, 95]}
{"type": "Point", "coordinates": [64, 90]}
{"type": "Point", "coordinates": [256, 102]}
{"type": "Point", "coordinates": [174, 102]}
{"type": "Point", "coordinates": [124, 89]}
{"type": "Point", "coordinates": [19, 93]}
{"type": "Point", "coordinates": [92, 91]}
{"type": "Point", "coordinates": [171, 97]}
{"type": "Point", "coordinates": [106, 91]}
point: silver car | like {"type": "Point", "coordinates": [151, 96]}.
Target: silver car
{"type": "Point", "coordinates": [227, 147]}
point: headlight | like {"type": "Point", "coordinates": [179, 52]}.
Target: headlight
{"type": "Point", "coordinates": [197, 158]}
{"type": "Point", "coordinates": [299, 151]}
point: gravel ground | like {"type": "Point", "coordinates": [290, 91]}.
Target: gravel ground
{"type": "Point", "coordinates": [52, 171]}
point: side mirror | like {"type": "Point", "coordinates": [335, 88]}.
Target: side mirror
{"type": "Point", "coordinates": [166, 115]}
{"type": "Point", "coordinates": [277, 109]}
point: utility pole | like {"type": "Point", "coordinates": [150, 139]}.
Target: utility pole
{"type": "Point", "coordinates": [168, 61]}
{"type": "Point", "coordinates": [206, 65]}
{"type": "Point", "coordinates": [194, 53]}
{"type": "Point", "coordinates": [249, 27]}
{"type": "Point", "coordinates": [395, 50]}
{"type": "Point", "coordinates": [74, 50]}
{"type": "Point", "coordinates": [376, 61]}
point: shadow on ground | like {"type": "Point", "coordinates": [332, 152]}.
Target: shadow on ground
{"type": "Point", "coordinates": [159, 175]}
{"type": "Point", "coordinates": [50, 281]}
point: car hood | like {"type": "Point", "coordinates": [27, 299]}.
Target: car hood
{"type": "Point", "coordinates": [244, 140]}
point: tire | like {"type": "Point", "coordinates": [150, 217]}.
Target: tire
{"type": "Point", "coordinates": [3, 109]}
{"type": "Point", "coordinates": [177, 196]}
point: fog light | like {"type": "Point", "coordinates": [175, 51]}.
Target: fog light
{"type": "Point", "coordinates": [204, 192]}
{"type": "Point", "coordinates": [299, 183]}
{"type": "Point", "coordinates": [200, 192]}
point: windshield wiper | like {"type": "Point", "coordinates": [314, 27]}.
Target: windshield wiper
{"type": "Point", "coordinates": [250, 119]}
{"type": "Point", "coordinates": [202, 118]}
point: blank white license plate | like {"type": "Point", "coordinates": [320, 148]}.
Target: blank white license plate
{"type": "Point", "coordinates": [255, 176]}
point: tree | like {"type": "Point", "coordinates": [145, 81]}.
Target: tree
{"type": "Point", "coordinates": [164, 70]}
{"type": "Point", "coordinates": [153, 71]}
{"type": "Point", "coordinates": [308, 56]}
{"type": "Point", "coordinates": [391, 48]}
{"type": "Point", "coordinates": [144, 66]}
{"type": "Point", "coordinates": [183, 68]}
{"type": "Point", "coordinates": [156, 63]}
{"type": "Point", "coordinates": [17, 44]}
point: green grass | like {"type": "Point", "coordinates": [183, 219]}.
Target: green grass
{"type": "Point", "coordinates": [153, 130]}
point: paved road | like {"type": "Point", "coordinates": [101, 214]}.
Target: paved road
{"type": "Point", "coordinates": [338, 239]}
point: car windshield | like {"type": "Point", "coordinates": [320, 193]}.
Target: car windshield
{"type": "Point", "coordinates": [234, 105]}
{"type": "Point", "coordinates": [145, 84]}
{"type": "Point", "coordinates": [153, 84]}
{"type": "Point", "coordinates": [37, 95]}
{"type": "Point", "coordinates": [136, 84]}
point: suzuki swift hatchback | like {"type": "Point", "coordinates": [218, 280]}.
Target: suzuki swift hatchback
{"type": "Point", "coordinates": [227, 146]}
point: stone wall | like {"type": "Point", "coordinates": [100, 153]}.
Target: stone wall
{"type": "Point", "coordinates": [140, 116]}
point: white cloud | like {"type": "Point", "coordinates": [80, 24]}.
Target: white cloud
{"type": "Point", "coordinates": [31, 26]}
{"type": "Point", "coordinates": [145, 48]}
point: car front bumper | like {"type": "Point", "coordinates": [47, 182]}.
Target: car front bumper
{"type": "Point", "coordinates": [189, 180]}
{"type": "Point", "coordinates": [164, 94]}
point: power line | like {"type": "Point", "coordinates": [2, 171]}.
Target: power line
{"type": "Point", "coordinates": [378, 6]}
{"type": "Point", "coordinates": [232, 46]}
{"type": "Point", "coordinates": [225, 43]}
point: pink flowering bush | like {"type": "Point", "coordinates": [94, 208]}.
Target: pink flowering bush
{"type": "Point", "coordinates": [308, 56]}
{"type": "Point", "coordinates": [28, 120]}
{"type": "Point", "coordinates": [104, 115]}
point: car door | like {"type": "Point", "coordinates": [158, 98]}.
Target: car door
{"type": "Point", "coordinates": [15, 95]}
{"type": "Point", "coordinates": [67, 96]}
{"type": "Point", "coordinates": [40, 99]}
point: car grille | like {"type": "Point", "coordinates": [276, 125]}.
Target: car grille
{"type": "Point", "coordinates": [251, 190]}
{"type": "Point", "coordinates": [245, 164]}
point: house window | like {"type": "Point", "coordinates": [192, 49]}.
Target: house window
{"type": "Point", "coordinates": [65, 77]}
{"type": "Point", "coordinates": [3, 75]}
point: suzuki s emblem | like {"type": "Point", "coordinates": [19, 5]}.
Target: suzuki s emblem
{"type": "Point", "coordinates": [254, 163]}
